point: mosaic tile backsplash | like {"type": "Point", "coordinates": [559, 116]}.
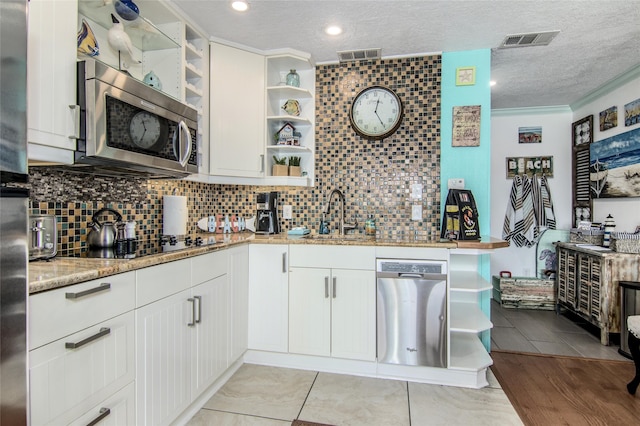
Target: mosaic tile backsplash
{"type": "Point", "coordinates": [375, 176]}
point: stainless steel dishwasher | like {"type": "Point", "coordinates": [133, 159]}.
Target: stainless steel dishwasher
{"type": "Point", "coordinates": [412, 312]}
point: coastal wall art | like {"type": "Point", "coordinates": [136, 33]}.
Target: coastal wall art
{"type": "Point", "coordinates": [614, 169]}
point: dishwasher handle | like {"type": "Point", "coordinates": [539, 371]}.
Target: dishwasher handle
{"type": "Point", "coordinates": [408, 275]}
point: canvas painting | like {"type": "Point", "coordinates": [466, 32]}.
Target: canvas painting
{"type": "Point", "coordinates": [614, 169]}
{"type": "Point", "coordinates": [632, 113]}
{"type": "Point", "coordinates": [529, 134]}
{"type": "Point", "coordinates": [608, 118]}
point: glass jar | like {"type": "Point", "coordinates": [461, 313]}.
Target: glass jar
{"type": "Point", "coordinates": [293, 79]}
{"type": "Point", "coordinates": [370, 226]}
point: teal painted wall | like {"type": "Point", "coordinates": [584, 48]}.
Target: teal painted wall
{"type": "Point", "coordinates": [471, 163]}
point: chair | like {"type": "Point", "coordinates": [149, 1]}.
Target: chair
{"type": "Point", "coordinates": [633, 325]}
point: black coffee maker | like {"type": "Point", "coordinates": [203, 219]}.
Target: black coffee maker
{"type": "Point", "coordinates": [267, 213]}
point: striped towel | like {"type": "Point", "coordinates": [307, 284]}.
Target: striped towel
{"type": "Point", "coordinates": [520, 222]}
{"type": "Point", "coordinates": [542, 204]}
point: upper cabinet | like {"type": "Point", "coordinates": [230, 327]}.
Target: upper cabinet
{"type": "Point", "coordinates": [236, 112]}
{"type": "Point", "coordinates": [256, 116]}
{"type": "Point", "coordinates": [164, 45]}
{"type": "Point", "coordinates": [292, 105]}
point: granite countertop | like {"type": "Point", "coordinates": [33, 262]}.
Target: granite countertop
{"type": "Point", "coordinates": [62, 271]}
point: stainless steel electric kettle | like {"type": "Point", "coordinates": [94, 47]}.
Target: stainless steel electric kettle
{"type": "Point", "coordinates": [103, 235]}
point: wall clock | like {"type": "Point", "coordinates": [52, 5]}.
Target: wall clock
{"type": "Point", "coordinates": [376, 112]}
{"type": "Point", "coordinates": [148, 131]}
{"type": "Point", "coordinates": [583, 131]}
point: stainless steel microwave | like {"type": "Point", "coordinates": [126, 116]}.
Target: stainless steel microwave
{"type": "Point", "coordinates": [129, 127]}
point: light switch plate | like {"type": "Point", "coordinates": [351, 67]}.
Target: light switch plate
{"type": "Point", "coordinates": [416, 212]}
{"type": "Point", "coordinates": [455, 183]}
{"type": "Point", "coordinates": [287, 212]}
{"type": "Point", "coordinates": [416, 191]}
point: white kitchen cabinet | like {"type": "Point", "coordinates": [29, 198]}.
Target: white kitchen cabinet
{"type": "Point", "coordinates": [52, 115]}
{"type": "Point", "coordinates": [239, 301]}
{"type": "Point", "coordinates": [71, 375]}
{"type": "Point", "coordinates": [182, 336]}
{"type": "Point", "coordinates": [278, 93]}
{"type": "Point", "coordinates": [81, 341]}
{"type": "Point", "coordinates": [268, 297]}
{"type": "Point", "coordinates": [237, 111]}
{"type": "Point", "coordinates": [332, 311]}
{"type": "Point", "coordinates": [117, 410]}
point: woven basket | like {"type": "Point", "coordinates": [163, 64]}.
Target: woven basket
{"type": "Point", "coordinates": [622, 245]}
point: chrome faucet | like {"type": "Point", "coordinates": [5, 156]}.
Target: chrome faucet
{"type": "Point", "coordinates": [343, 226]}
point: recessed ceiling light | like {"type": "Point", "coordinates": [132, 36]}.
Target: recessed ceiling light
{"type": "Point", "coordinates": [333, 30]}
{"type": "Point", "coordinates": [492, 83]}
{"type": "Point", "coordinates": [240, 5]}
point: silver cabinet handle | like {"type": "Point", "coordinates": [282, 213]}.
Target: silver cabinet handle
{"type": "Point", "coordinates": [104, 412]}
{"type": "Point", "coordinates": [79, 294]}
{"type": "Point", "coordinates": [76, 121]}
{"type": "Point", "coordinates": [193, 312]}
{"type": "Point", "coordinates": [261, 163]}
{"type": "Point", "coordinates": [75, 345]}
{"type": "Point", "coordinates": [334, 287]}
{"type": "Point", "coordinates": [199, 318]}
{"type": "Point", "coordinates": [326, 287]}
{"type": "Point", "coordinates": [284, 262]}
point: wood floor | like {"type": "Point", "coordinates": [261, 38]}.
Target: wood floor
{"type": "Point", "coordinates": [560, 390]}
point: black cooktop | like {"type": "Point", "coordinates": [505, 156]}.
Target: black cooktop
{"type": "Point", "coordinates": [133, 249]}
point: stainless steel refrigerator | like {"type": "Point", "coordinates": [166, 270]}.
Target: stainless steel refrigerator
{"type": "Point", "coordinates": [13, 212]}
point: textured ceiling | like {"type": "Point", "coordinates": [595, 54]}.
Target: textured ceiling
{"type": "Point", "coordinates": [599, 40]}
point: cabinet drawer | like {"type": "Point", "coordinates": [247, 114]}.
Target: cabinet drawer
{"type": "Point", "coordinates": [209, 266]}
{"type": "Point", "coordinates": [58, 313]}
{"type": "Point", "coordinates": [67, 382]}
{"type": "Point", "coordinates": [339, 257]}
{"type": "Point", "coordinates": [157, 282]}
{"type": "Point", "coordinates": [117, 410]}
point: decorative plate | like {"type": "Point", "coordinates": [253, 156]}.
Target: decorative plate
{"type": "Point", "coordinates": [292, 107]}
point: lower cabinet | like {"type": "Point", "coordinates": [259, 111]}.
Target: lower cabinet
{"type": "Point", "coordinates": [332, 313]}
{"type": "Point", "coordinates": [239, 301]}
{"type": "Point", "coordinates": [117, 410]}
{"type": "Point", "coordinates": [74, 373]}
{"type": "Point", "coordinates": [268, 297]}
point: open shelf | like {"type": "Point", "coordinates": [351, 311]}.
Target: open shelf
{"type": "Point", "coordinates": [468, 281]}
{"type": "Point", "coordinates": [468, 318]}
{"type": "Point", "coordinates": [468, 353]}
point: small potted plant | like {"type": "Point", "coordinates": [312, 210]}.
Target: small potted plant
{"type": "Point", "coordinates": [279, 166]}
{"type": "Point", "coordinates": [294, 166]}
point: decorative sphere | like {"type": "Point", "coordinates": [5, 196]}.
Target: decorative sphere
{"type": "Point", "coordinates": [127, 9]}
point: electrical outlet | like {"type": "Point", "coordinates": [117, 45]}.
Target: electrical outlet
{"type": "Point", "coordinates": [416, 191]}
{"type": "Point", "coordinates": [455, 183]}
{"type": "Point", "coordinates": [287, 212]}
{"type": "Point", "coordinates": [416, 212]}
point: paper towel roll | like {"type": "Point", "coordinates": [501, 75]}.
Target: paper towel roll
{"type": "Point", "coordinates": [174, 215]}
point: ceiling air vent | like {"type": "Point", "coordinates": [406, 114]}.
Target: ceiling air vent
{"type": "Point", "coordinates": [529, 39]}
{"type": "Point", "coordinates": [359, 55]}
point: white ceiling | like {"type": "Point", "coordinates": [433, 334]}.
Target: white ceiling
{"type": "Point", "coordinates": [598, 40]}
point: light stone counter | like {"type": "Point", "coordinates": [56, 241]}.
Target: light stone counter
{"type": "Point", "coordinates": [64, 271]}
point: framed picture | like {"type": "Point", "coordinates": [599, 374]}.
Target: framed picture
{"type": "Point", "coordinates": [466, 125]}
{"type": "Point", "coordinates": [615, 166]}
{"type": "Point", "coordinates": [608, 118]}
{"type": "Point", "coordinates": [529, 134]}
{"type": "Point", "coordinates": [583, 131]}
{"type": "Point", "coordinates": [465, 76]}
{"type": "Point", "coordinates": [632, 113]}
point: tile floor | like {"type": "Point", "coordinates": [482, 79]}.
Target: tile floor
{"type": "Point", "coordinates": [546, 332]}
{"type": "Point", "coordinates": [270, 396]}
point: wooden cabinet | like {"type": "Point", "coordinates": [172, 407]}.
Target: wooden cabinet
{"type": "Point", "coordinates": [332, 311]}
{"type": "Point", "coordinates": [268, 297]}
{"type": "Point", "coordinates": [182, 335]}
{"type": "Point", "coordinates": [588, 284]}
{"type": "Point", "coordinates": [82, 340]}
{"type": "Point", "coordinates": [236, 140]}
{"type": "Point", "coordinates": [52, 114]}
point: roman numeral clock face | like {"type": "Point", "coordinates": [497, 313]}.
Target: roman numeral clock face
{"type": "Point", "coordinates": [376, 112]}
